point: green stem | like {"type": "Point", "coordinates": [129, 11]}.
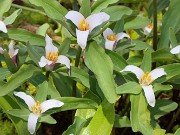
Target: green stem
{"type": "Point", "coordinates": [29, 9]}
{"type": "Point", "coordinates": [78, 56]}
{"type": "Point", "coordinates": [155, 25]}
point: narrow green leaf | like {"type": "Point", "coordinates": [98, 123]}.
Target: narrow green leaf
{"type": "Point", "coordinates": [159, 87]}
{"type": "Point", "coordinates": [43, 29]}
{"type": "Point", "coordinates": [172, 37]}
{"type": "Point", "coordinates": [177, 132]}
{"type": "Point", "coordinates": [42, 91]}
{"type": "Point", "coordinates": [64, 48]}
{"type": "Point", "coordinates": [100, 63]}
{"type": "Point", "coordinates": [4, 6]}
{"type": "Point", "coordinates": [147, 61]}
{"type": "Point", "coordinates": [47, 119]}
{"type": "Point", "coordinates": [85, 8]}
{"type": "Point", "coordinates": [4, 72]}
{"type": "Point", "coordinates": [121, 122]}
{"type": "Point", "coordinates": [20, 113]}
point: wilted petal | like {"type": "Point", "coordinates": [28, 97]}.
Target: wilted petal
{"type": "Point", "coordinates": [43, 62]}
{"type": "Point", "coordinates": [49, 46]}
{"type": "Point", "coordinates": [156, 73]}
{"type": "Point", "coordinates": [49, 104]}
{"type": "Point", "coordinates": [175, 50]}
{"type": "Point", "coordinates": [122, 35]}
{"type": "Point", "coordinates": [136, 70]}
{"type": "Point", "coordinates": [149, 94]}
{"type": "Point", "coordinates": [97, 19]}
{"type": "Point", "coordinates": [27, 99]}
{"type": "Point", "coordinates": [3, 27]}
{"type": "Point", "coordinates": [32, 121]}
{"type": "Point", "coordinates": [82, 37]}
{"type": "Point", "coordinates": [1, 50]}
{"type": "Point", "coordinates": [12, 52]}
{"type": "Point", "coordinates": [107, 32]}
{"type": "Point", "coordinates": [109, 44]}
{"type": "Point", "coordinates": [75, 17]}
{"type": "Point", "coordinates": [64, 60]}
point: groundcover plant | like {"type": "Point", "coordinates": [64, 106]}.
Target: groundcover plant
{"type": "Point", "coordinates": [89, 67]}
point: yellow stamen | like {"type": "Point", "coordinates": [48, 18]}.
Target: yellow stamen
{"type": "Point", "coordinates": [150, 26]}
{"type": "Point", "coordinates": [83, 25]}
{"type": "Point", "coordinates": [146, 79]}
{"type": "Point", "coordinates": [52, 56]}
{"type": "Point", "coordinates": [36, 108]}
{"type": "Point", "coordinates": [112, 37]}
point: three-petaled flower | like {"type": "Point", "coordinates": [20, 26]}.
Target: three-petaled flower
{"type": "Point", "coordinates": [176, 50]}
{"type": "Point", "coordinates": [3, 27]}
{"type": "Point", "coordinates": [145, 80]}
{"type": "Point", "coordinates": [52, 57]}
{"type": "Point", "coordinates": [111, 38]}
{"type": "Point", "coordinates": [37, 108]}
{"type": "Point", "coordinates": [86, 25]}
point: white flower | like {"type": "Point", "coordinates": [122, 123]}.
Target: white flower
{"type": "Point", "coordinates": [86, 25]}
{"type": "Point", "coordinates": [37, 108]}
{"type": "Point", "coordinates": [3, 27]}
{"type": "Point", "coordinates": [1, 50]}
{"type": "Point", "coordinates": [52, 56]}
{"type": "Point", "coordinates": [148, 29]}
{"type": "Point", "coordinates": [12, 52]}
{"type": "Point", "coordinates": [176, 50]}
{"type": "Point", "coordinates": [145, 80]}
{"type": "Point", "coordinates": [111, 38]}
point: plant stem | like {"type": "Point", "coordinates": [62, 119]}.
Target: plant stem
{"type": "Point", "coordinates": [78, 56]}
{"type": "Point", "coordinates": [29, 9]}
{"type": "Point", "coordinates": [155, 25]}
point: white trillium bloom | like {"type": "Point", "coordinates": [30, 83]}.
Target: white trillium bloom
{"type": "Point", "coordinates": [145, 80]}
{"type": "Point", "coordinates": [175, 50]}
{"type": "Point", "coordinates": [86, 25]}
{"type": "Point", "coordinates": [3, 27]}
{"type": "Point", "coordinates": [148, 29]}
{"type": "Point", "coordinates": [37, 108]}
{"type": "Point", "coordinates": [52, 57]}
{"type": "Point", "coordinates": [111, 38]}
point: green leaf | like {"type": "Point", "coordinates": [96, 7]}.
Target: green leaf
{"type": "Point", "coordinates": [136, 23]}
{"type": "Point", "coordinates": [64, 48]}
{"type": "Point", "coordinates": [42, 91]}
{"type": "Point", "coordinates": [26, 36]}
{"type": "Point", "coordinates": [163, 107]}
{"type": "Point", "coordinates": [119, 62]}
{"type": "Point", "coordinates": [20, 113]}
{"type": "Point", "coordinates": [10, 19]}
{"type": "Point", "coordinates": [47, 119]}
{"type": "Point", "coordinates": [100, 63]}
{"type": "Point", "coordinates": [102, 122]}
{"type": "Point", "coordinates": [22, 75]}
{"type": "Point", "coordinates": [177, 132]}
{"type": "Point", "coordinates": [4, 72]}
{"type": "Point", "coordinates": [129, 88]}
{"type": "Point", "coordinates": [121, 122]}
{"type": "Point", "coordinates": [101, 4]}
{"type": "Point", "coordinates": [85, 8]}
{"type": "Point", "coordinates": [169, 20]}
{"type": "Point", "coordinates": [159, 87]}
{"type": "Point", "coordinates": [52, 8]}
{"type": "Point", "coordinates": [140, 45]}
{"type": "Point", "coordinates": [147, 61]}
{"type": "Point", "coordinates": [140, 115]}
{"type": "Point", "coordinates": [117, 12]}
{"type": "Point", "coordinates": [159, 132]}
{"type": "Point", "coordinates": [43, 29]}
{"type": "Point", "coordinates": [52, 91]}
{"type": "Point", "coordinates": [172, 37]}
{"type": "Point", "coordinates": [4, 6]}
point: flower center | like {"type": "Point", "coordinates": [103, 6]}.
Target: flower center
{"type": "Point", "coordinates": [83, 25]}
{"type": "Point", "coordinates": [52, 56]}
{"type": "Point", "coordinates": [150, 26]}
{"type": "Point", "coordinates": [36, 108]}
{"type": "Point", "coordinates": [146, 79]}
{"type": "Point", "coordinates": [112, 37]}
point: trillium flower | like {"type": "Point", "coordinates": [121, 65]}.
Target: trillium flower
{"type": "Point", "coordinates": [148, 29]}
{"type": "Point", "coordinates": [111, 38]}
{"type": "Point", "coordinates": [86, 25]}
{"type": "Point", "coordinates": [3, 27]}
{"type": "Point", "coordinates": [175, 50]}
{"type": "Point", "coordinates": [37, 108]}
{"type": "Point", "coordinates": [145, 80]}
{"type": "Point", "coordinates": [52, 57]}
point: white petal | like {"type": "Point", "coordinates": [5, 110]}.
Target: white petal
{"type": "Point", "coordinates": [3, 27]}
{"type": "Point", "coordinates": [32, 121]}
{"type": "Point", "coordinates": [136, 70]}
{"type": "Point", "coordinates": [75, 17]}
{"type": "Point", "coordinates": [27, 99]}
{"type": "Point", "coordinates": [1, 50]}
{"type": "Point", "coordinates": [64, 60]}
{"type": "Point", "coordinates": [156, 73]}
{"type": "Point", "coordinates": [122, 35]}
{"type": "Point", "coordinates": [109, 44]}
{"type": "Point", "coordinates": [107, 32]}
{"type": "Point", "coordinates": [11, 49]}
{"type": "Point", "coordinates": [95, 20]}
{"type": "Point", "coordinates": [43, 62]}
{"type": "Point", "coordinates": [149, 94]}
{"type": "Point", "coordinates": [49, 104]}
{"type": "Point", "coordinates": [175, 50]}
{"type": "Point", "coordinates": [82, 37]}
{"type": "Point", "coordinates": [49, 46]}
{"type": "Point", "coordinates": [147, 30]}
